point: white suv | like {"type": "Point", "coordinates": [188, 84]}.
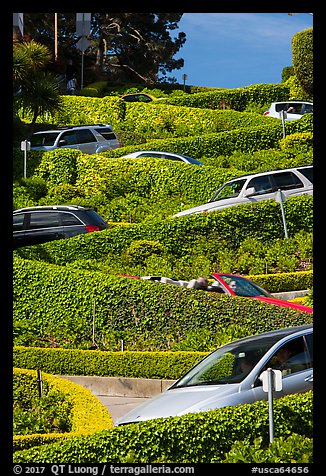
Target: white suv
{"type": "Point", "coordinates": [293, 109]}
{"type": "Point", "coordinates": [90, 139]}
{"type": "Point", "coordinates": [255, 187]}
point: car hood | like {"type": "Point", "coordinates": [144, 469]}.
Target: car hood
{"type": "Point", "coordinates": [178, 401]}
{"type": "Point", "coordinates": [281, 302]}
{"type": "Point", "coordinates": [210, 207]}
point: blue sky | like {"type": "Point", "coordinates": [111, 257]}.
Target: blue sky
{"type": "Point", "coordinates": [231, 50]}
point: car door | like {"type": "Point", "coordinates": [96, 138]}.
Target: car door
{"type": "Point", "coordinates": [258, 188]}
{"type": "Point", "coordinates": [87, 141]}
{"type": "Point", "coordinates": [42, 226]}
{"type": "Point", "coordinates": [289, 183]}
{"type": "Point", "coordinates": [69, 140]}
{"type": "Point", "coordinates": [296, 378]}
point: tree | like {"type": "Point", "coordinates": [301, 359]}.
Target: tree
{"type": "Point", "coordinates": [302, 56]}
{"type": "Point", "coordinates": [134, 47]}
{"type": "Point", "coordinates": [35, 90]}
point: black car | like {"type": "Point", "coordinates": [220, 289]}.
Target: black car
{"type": "Point", "coordinates": [35, 225]}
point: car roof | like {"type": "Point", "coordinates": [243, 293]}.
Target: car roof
{"type": "Point", "coordinates": [80, 126]}
{"type": "Point", "coordinates": [279, 332]}
{"type": "Point", "coordinates": [267, 172]}
{"type": "Point", "coordinates": [51, 207]}
{"type": "Point", "coordinates": [292, 102]}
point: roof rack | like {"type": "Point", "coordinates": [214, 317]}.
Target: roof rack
{"type": "Point", "coordinates": [84, 125]}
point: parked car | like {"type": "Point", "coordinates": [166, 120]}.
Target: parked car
{"type": "Point", "coordinates": [231, 374]}
{"type": "Point", "coordinates": [231, 285]}
{"type": "Point", "coordinates": [90, 139]}
{"type": "Point", "coordinates": [294, 109]}
{"type": "Point", "coordinates": [162, 155]}
{"type": "Point", "coordinates": [35, 225]}
{"type": "Point", "coordinates": [235, 285]}
{"type": "Point", "coordinates": [138, 97]}
{"type": "Point", "coordinates": [252, 188]}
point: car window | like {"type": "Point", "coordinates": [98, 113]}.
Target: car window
{"type": "Point", "coordinates": [261, 184]}
{"type": "Point", "coordinates": [309, 343]}
{"type": "Point", "coordinates": [307, 109]}
{"type": "Point", "coordinates": [291, 357]}
{"type": "Point", "coordinates": [244, 287]}
{"type": "Point", "coordinates": [107, 133]}
{"type": "Point", "coordinates": [150, 154]}
{"type": "Point", "coordinates": [229, 190]}
{"type": "Point", "coordinates": [308, 173]}
{"type": "Point", "coordinates": [171, 157]}
{"type": "Point", "coordinates": [46, 139]}
{"type": "Point", "coordinates": [18, 222]}
{"type": "Point", "coordinates": [44, 220]}
{"type": "Point", "coordinates": [85, 135]}
{"type": "Point", "coordinates": [95, 219]}
{"type": "Point", "coordinates": [70, 219]}
{"type": "Point", "coordinates": [287, 180]}
{"type": "Point", "coordinates": [228, 364]}
{"type": "Point", "coordinates": [70, 137]}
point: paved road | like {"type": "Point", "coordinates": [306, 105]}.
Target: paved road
{"type": "Point", "coordinates": [119, 406]}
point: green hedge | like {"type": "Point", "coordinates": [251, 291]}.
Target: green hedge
{"type": "Point", "coordinates": [193, 438]}
{"type": "Point", "coordinates": [155, 365]}
{"type": "Point", "coordinates": [243, 139]}
{"type": "Point", "coordinates": [177, 235]}
{"type": "Point", "coordinates": [88, 414]}
{"type": "Point", "coordinates": [283, 282]}
{"type": "Point", "coordinates": [55, 304]}
{"type": "Point", "coordinates": [237, 98]}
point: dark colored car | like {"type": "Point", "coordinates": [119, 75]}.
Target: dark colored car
{"type": "Point", "coordinates": [35, 225]}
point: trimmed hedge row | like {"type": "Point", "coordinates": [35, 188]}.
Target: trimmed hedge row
{"type": "Point", "coordinates": [237, 98]}
{"type": "Point", "coordinates": [243, 139]}
{"type": "Point", "coordinates": [155, 365]}
{"type": "Point", "coordinates": [177, 235]}
{"type": "Point", "coordinates": [56, 303]}
{"type": "Point", "coordinates": [283, 282]}
{"type": "Point", "coordinates": [191, 438]}
{"type": "Point", "coordinates": [88, 413]}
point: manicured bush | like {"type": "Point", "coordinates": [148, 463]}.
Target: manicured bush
{"type": "Point", "coordinates": [192, 438]}
{"type": "Point", "coordinates": [87, 414]}
{"type": "Point", "coordinates": [66, 307]}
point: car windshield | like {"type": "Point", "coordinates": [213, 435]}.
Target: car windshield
{"type": "Point", "coordinates": [191, 160]}
{"type": "Point", "coordinates": [244, 287]}
{"type": "Point", "coordinates": [43, 139]}
{"type": "Point", "coordinates": [228, 190]}
{"type": "Point", "coordinates": [228, 364]}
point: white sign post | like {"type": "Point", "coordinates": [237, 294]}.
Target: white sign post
{"type": "Point", "coordinates": [272, 380]}
{"type": "Point", "coordinates": [25, 145]}
{"type": "Point", "coordinates": [283, 116]}
{"type": "Point", "coordinates": [280, 198]}
{"type": "Point", "coordinates": [83, 29]}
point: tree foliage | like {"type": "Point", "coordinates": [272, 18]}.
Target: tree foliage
{"type": "Point", "coordinates": [302, 55]}
{"type": "Point", "coordinates": [130, 47]}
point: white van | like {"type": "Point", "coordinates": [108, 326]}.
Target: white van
{"type": "Point", "coordinates": [90, 139]}
{"type": "Point", "coordinates": [255, 187]}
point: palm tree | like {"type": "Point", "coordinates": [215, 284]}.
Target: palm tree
{"type": "Point", "coordinates": [35, 89]}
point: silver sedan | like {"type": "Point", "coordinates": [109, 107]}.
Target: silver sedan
{"type": "Point", "coordinates": [231, 375]}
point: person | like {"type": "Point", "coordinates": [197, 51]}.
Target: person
{"type": "Point", "coordinates": [289, 359]}
{"type": "Point", "coordinates": [233, 286]}
{"type": "Point", "coordinates": [291, 110]}
{"type": "Point", "coordinates": [72, 86]}
{"type": "Point", "coordinates": [71, 77]}
{"type": "Point", "coordinates": [199, 283]}
{"type": "Point", "coordinates": [246, 365]}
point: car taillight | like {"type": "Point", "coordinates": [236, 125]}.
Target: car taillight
{"type": "Point", "coordinates": [266, 113]}
{"type": "Point", "coordinates": [90, 228]}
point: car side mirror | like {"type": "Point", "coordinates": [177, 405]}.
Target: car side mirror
{"type": "Point", "coordinates": [62, 142]}
{"type": "Point", "coordinates": [250, 191]}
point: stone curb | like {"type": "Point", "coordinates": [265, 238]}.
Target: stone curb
{"type": "Point", "coordinates": [120, 386]}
